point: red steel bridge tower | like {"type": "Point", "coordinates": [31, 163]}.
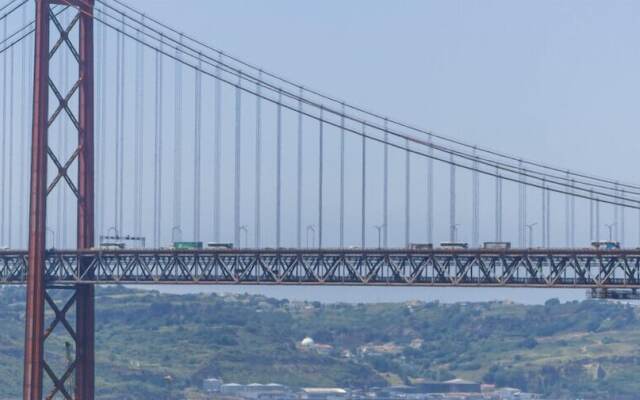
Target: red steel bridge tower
{"type": "Point", "coordinates": [36, 367]}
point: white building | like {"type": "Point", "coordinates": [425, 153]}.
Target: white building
{"type": "Point", "coordinates": [211, 385]}
{"type": "Point", "coordinates": [324, 394]}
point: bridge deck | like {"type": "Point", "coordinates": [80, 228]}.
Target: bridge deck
{"type": "Point", "coordinates": [575, 268]}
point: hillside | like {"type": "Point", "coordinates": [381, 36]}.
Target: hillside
{"type": "Point", "coordinates": [580, 349]}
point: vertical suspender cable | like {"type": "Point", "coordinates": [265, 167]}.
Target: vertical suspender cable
{"type": "Point", "coordinates": [103, 129]}
{"type": "Point", "coordinates": [364, 189]}
{"type": "Point", "coordinates": [498, 206]}
{"type": "Point", "coordinates": [385, 189]}
{"type": "Point", "coordinates": [573, 216]}
{"type": "Point", "coordinates": [342, 135]}
{"type": "Point", "coordinates": [407, 195]}
{"type": "Point", "coordinates": [3, 161]}
{"type": "Point", "coordinates": [11, 134]}
{"type": "Point", "coordinates": [320, 174]}
{"type": "Point", "coordinates": [258, 155]}
{"type": "Point", "coordinates": [616, 215]}
{"type": "Point", "coordinates": [544, 212]}
{"type": "Point", "coordinates": [622, 228]}
{"type": "Point", "coordinates": [98, 117]}
{"type": "Point", "coordinates": [118, 143]}
{"type": "Point", "coordinates": [476, 202]}
{"type": "Point", "coordinates": [524, 210]}
{"type": "Point", "coordinates": [157, 181]}
{"type": "Point", "coordinates": [23, 134]}
{"type": "Point", "coordinates": [177, 149]}
{"type": "Point", "coordinates": [342, 177]}
{"type": "Point", "coordinates": [591, 216]}
{"type": "Point", "coordinates": [116, 137]}
{"type": "Point", "coordinates": [299, 183]}
{"type": "Point", "coordinates": [238, 150]}
{"type": "Point", "coordinates": [520, 223]}
{"type": "Point", "coordinates": [121, 120]}
{"type": "Point", "coordinates": [548, 217]}
{"type": "Point", "coordinates": [567, 217]}
{"type": "Point", "coordinates": [521, 218]}
{"type": "Point", "coordinates": [217, 155]}
{"type": "Point", "coordinates": [139, 135]}
{"type": "Point", "coordinates": [197, 153]}
{"type": "Point", "coordinates": [452, 201]}
{"type": "Point", "coordinates": [279, 171]}
{"type": "Point", "coordinates": [597, 220]}
{"type": "Point", "coordinates": [430, 192]}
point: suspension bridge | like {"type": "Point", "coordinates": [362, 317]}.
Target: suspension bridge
{"type": "Point", "coordinates": [140, 133]}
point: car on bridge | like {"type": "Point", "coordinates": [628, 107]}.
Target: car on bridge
{"type": "Point", "coordinates": [219, 246]}
{"type": "Point", "coordinates": [496, 245]}
{"type": "Point", "coordinates": [454, 245]}
{"type": "Point", "coordinates": [605, 245]}
{"type": "Point", "coordinates": [421, 246]}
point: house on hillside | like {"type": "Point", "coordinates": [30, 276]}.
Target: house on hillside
{"type": "Point", "coordinates": [463, 386]}
{"type": "Point", "coordinates": [308, 344]}
{"type": "Point", "coordinates": [211, 385]}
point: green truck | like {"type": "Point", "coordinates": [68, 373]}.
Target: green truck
{"type": "Point", "coordinates": [187, 245]}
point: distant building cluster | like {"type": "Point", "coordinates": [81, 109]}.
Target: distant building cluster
{"type": "Point", "coordinates": [455, 389]}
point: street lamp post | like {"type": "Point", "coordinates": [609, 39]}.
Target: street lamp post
{"type": "Point", "coordinates": [114, 230]}
{"type": "Point", "coordinates": [454, 231]}
{"type": "Point", "coordinates": [245, 229]}
{"type": "Point", "coordinates": [530, 229]}
{"type": "Point", "coordinates": [312, 229]}
{"type": "Point", "coordinates": [379, 229]}
{"type": "Point", "coordinates": [610, 227]}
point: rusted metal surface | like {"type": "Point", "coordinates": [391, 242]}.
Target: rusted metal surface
{"type": "Point", "coordinates": [36, 367]}
{"type": "Point", "coordinates": [34, 331]}
{"type": "Point", "coordinates": [85, 314]}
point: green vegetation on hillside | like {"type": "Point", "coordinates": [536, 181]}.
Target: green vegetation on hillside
{"type": "Point", "coordinates": [579, 349]}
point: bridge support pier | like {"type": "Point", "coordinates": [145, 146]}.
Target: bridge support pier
{"type": "Point", "coordinates": [82, 296]}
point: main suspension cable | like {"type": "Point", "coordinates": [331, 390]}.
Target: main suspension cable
{"type": "Point", "coordinates": [358, 109]}
{"type": "Point", "coordinates": [610, 199]}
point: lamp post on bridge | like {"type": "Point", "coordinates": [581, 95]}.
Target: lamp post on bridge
{"type": "Point", "coordinates": [530, 230]}
{"type": "Point", "coordinates": [312, 229]}
{"type": "Point", "coordinates": [610, 227]}
{"type": "Point", "coordinates": [379, 228]}
{"type": "Point", "coordinates": [245, 229]}
{"type": "Point", "coordinates": [114, 230]}
{"type": "Point", "coordinates": [454, 232]}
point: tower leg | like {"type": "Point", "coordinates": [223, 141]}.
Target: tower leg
{"type": "Point", "coordinates": [35, 365]}
{"type": "Point", "coordinates": [85, 317]}
{"type": "Point", "coordinates": [34, 330]}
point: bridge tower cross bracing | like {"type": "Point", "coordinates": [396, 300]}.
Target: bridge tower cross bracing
{"type": "Point", "coordinates": [82, 296]}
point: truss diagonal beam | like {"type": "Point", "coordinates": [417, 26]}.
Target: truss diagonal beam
{"type": "Point", "coordinates": [515, 268]}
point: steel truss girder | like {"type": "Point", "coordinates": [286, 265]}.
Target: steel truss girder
{"type": "Point", "coordinates": [583, 269]}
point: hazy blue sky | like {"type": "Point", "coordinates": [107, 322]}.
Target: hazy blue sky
{"type": "Point", "coordinates": [552, 81]}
